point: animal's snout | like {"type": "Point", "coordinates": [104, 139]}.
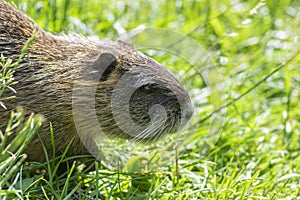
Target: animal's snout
{"type": "Point", "coordinates": [188, 111]}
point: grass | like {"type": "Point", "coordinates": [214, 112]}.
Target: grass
{"type": "Point", "coordinates": [257, 155]}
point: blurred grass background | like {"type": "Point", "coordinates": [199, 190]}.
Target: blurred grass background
{"type": "Point", "coordinates": [257, 155]}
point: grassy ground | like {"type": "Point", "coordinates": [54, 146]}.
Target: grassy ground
{"type": "Point", "coordinates": [254, 45]}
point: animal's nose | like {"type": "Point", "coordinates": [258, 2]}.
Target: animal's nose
{"type": "Point", "coordinates": [188, 112]}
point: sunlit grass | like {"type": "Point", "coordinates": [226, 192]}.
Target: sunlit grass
{"type": "Point", "coordinates": [257, 155]}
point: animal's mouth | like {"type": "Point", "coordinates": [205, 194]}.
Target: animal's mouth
{"type": "Point", "coordinates": [161, 119]}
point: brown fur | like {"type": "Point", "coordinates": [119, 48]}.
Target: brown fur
{"type": "Point", "coordinates": [46, 78]}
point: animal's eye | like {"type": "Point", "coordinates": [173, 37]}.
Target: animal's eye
{"type": "Point", "coordinates": [149, 87]}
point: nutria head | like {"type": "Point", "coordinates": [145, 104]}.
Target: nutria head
{"type": "Point", "coordinates": [135, 97]}
{"type": "Point", "coordinates": [89, 89]}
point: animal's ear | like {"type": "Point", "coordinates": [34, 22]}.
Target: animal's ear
{"type": "Point", "coordinates": [105, 65]}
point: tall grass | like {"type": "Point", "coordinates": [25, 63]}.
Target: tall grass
{"type": "Point", "coordinates": [11, 147]}
{"type": "Point", "coordinates": [256, 157]}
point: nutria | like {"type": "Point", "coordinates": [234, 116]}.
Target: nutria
{"type": "Point", "coordinates": [52, 65]}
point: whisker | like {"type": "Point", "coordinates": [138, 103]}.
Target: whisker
{"type": "Point", "coordinates": [148, 131]}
